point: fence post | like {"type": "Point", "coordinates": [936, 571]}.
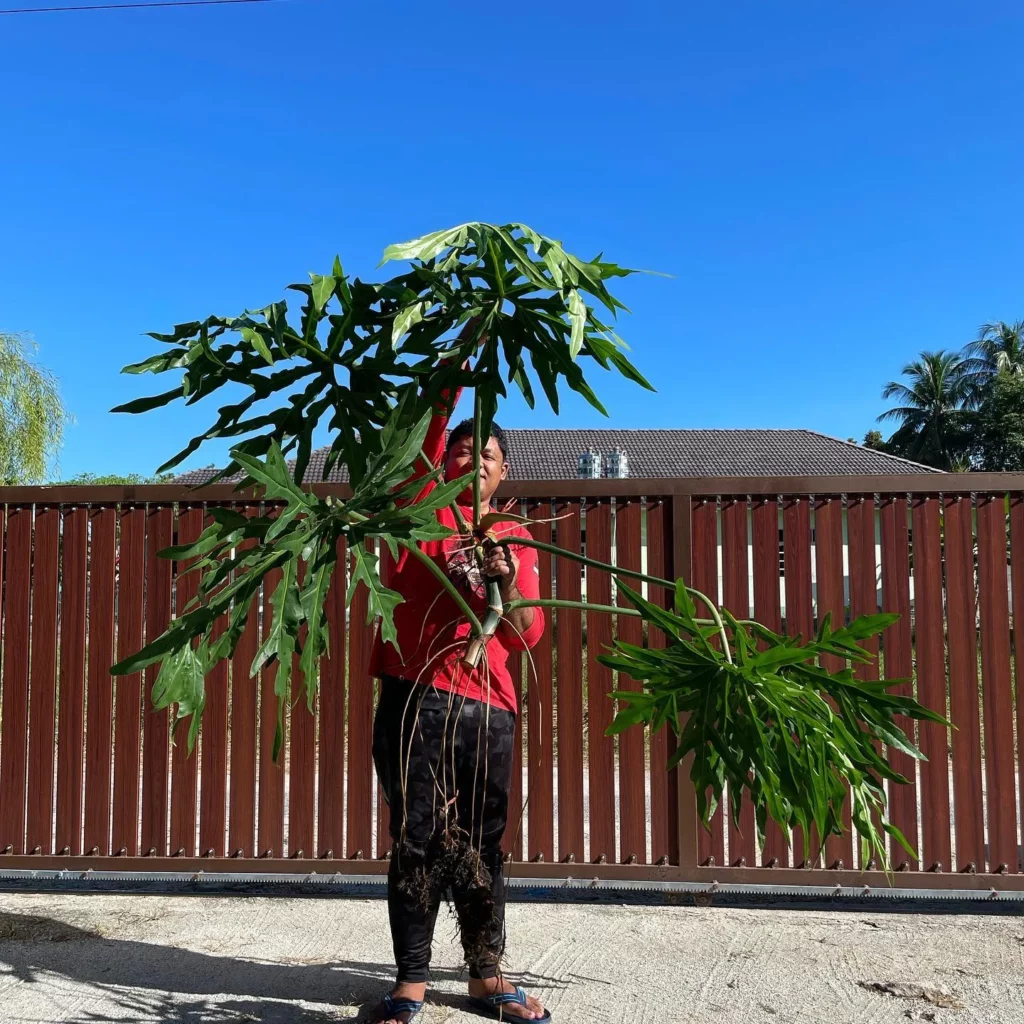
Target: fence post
{"type": "Point", "coordinates": [687, 798]}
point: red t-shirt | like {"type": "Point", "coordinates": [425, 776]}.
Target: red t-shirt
{"type": "Point", "coordinates": [432, 633]}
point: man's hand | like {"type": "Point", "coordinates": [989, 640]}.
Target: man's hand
{"type": "Point", "coordinates": [501, 563]}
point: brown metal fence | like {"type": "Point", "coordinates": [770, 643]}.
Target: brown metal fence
{"type": "Point", "coordinates": [88, 772]}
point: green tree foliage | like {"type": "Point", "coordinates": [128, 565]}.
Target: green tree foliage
{"type": "Point", "coordinates": [115, 479]}
{"type": "Point", "coordinates": [997, 434]}
{"type": "Point", "coordinates": [933, 427]}
{"type": "Point", "coordinates": [960, 412]}
{"type": "Point", "coordinates": [32, 414]}
{"type": "Point", "coordinates": [482, 306]}
{"type": "Point", "coordinates": [999, 348]}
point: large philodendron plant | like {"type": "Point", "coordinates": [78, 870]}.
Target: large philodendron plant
{"type": "Point", "coordinates": [484, 306]}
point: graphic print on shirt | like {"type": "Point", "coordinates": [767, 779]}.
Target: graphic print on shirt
{"type": "Point", "coordinates": [463, 570]}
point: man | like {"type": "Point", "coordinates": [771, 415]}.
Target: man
{"type": "Point", "coordinates": [443, 737]}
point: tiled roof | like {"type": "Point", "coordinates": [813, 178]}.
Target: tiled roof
{"type": "Point", "coordinates": [554, 455]}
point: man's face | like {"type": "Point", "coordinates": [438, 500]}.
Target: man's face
{"type": "Point", "coordinates": [493, 467]}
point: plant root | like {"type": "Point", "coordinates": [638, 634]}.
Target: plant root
{"type": "Point", "coordinates": [451, 861]}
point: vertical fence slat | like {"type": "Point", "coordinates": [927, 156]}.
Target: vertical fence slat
{"type": "Point", "coordinates": [569, 648]}
{"type": "Point", "coordinates": [301, 765]}
{"type": "Point", "coordinates": [685, 851]}
{"type": "Point", "coordinates": [71, 710]}
{"type": "Point", "coordinates": [632, 782]}
{"type": "Point", "coordinates": [512, 838]}
{"type": "Point", "coordinates": [768, 611]}
{"type": "Point", "coordinates": [863, 574]}
{"type": "Point", "coordinates": [99, 699]}
{"type": "Point", "coordinates": [244, 689]}
{"type": "Point", "coordinates": [131, 569]}
{"type": "Point", "coordinates": [331, 818]}
{"type": "Point", "coordinates": [1017, 604]}
{"type": "Point", "coordinates": [736, 598]}
{"type": "Point", "coordinates": [270, 826]}
{"type": "Point", "coordinates": [360, 729]}
{"type": "Point", "coordinates": [383, 811]}
{"type": "Point", "coordinates": [156, 724]}
{"type": "Point", "coordinates": [601, 752]}
{"type": "Point", "coordinates": [301, 759]}
{"type": "Point", "coordinates": [664, 798]}
{"type": "Point", "coordinates": [710, 844]}
{"type": "Point", "coordinates": [214, 756]}
{"type": "Point", "coordinates": [828, 553]}
{"type": "Point", "coordinates": [384, 815]}
{"type": "Point", "coordinates": [898, 654]}
{"type": "Point", "coordinates": [1000, 770]}
{"type": "Point", "coordinates": [931, 681]}
{"type": "Point", "coordinates": [184, 765]}
{"type": "Point", "coordinates": [43, 695]}
{"type": "Point", "coordinates": [796, 553]}
{"type": "Point", "coordinates": [212, 795]}
{"type": "Point", "coordinates": [15, 679]}
{"type": "Point", "coordinates": [540, 706]}
{"type": "Point", "coordinates": [965, 708]}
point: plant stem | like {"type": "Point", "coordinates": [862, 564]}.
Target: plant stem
{"type": "Point", "coordinates": [481, 631]}
{"type": "Point", "coordinates": [617, 570]}
{"type": "Point", "coordinates": [313, 350]}
{"type": "Point", "coordinates": [425, 459]}
{"type": "Point", "coordinates": [477, 446]}
{"type": "Point", "coordinates": [717, 620]}
{"type": "Point", "coordinates": [414, 549]}
{"type": "Point", "coordinates": [586, 606]}
{"type": "Point", "coordinates": [495, 608]}
{"type": "Point", "coordinates": [583, 606]}
{"type": "Point", "coordinates": [460, 519]}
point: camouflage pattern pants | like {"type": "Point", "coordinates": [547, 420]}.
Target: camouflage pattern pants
{"type": "Point", "coordinates": [444, 764]}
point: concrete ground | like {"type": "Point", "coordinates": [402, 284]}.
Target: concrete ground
{"type": "Point", "coordinates": [90, 959]}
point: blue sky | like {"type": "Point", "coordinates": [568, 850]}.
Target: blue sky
{"type": "Point", "coordinates": [835, 186]}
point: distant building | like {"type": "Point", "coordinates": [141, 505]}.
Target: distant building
{"type": "Point", "coordinates": [590, 465]}
{"type": "Point", "coordinates": [616, 464]}
{"type": "Point", "coordinates": [595, 465]}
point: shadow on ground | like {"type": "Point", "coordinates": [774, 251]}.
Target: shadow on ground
{"type": "Point", "coordinates": [158, 980]}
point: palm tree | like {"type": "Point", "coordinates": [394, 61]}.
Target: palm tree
{"type": "Point", "coordinates": [931, 414]}
{"type": "Point", "coordinates": [999, 348]}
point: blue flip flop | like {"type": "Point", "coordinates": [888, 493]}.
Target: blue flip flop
{"type": "Point", "coordinates": [490, 1006]}
{"type": "Point", "coordinates": [393, 1007]}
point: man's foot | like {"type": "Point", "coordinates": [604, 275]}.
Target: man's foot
{"type": "Point", "coordinates": [389, 1010]}
{"type": "Point", "coordinates": [481, 988]}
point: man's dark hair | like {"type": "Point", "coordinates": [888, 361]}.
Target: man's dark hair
{"type": "Point", "coordinates": [465, 429]}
